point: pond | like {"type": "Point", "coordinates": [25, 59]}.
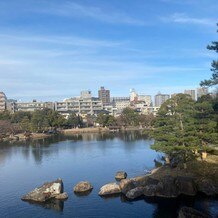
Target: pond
{"type": "Point", "coordinates": [92, 157]}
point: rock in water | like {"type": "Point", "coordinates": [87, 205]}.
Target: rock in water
{"type": "Point", "coordinates": [135, 193]}
{"type": "Point", "coordinates": [109, 189]}
{"type": "Point", "coordinates": [188, 212]}
{"type": "Point", "coordinates": [126, 185]}
{"type": "Point", "coordinates": [120, 175]}
{"type": "Point", "coordinates": [62, 196]}
{"type": "Point", "coordinates": [83, 186]}
{"type": "Point", "coordinates": [45, 192]}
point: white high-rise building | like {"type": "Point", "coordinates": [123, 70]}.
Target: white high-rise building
{"type": "Point", "coordinates": [191, 93]}
{"type": "Point", "coordinates": [202, 91]}
{"type": "Point", "coordinates": [133, 95]}
{"type": "Point", "coordinates": [3, 101]}
{"type": "Point", "coordinates": [160, 99]}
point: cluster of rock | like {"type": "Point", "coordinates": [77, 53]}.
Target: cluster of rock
{"type": "Point", "coordinates": [167, 187]}
{"type": "Point", "coordinates": [54, 190]}
{"type": "Point", "coordinates": [148, 185]}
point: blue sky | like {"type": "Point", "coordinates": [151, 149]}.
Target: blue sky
{"type": "Point", "coordinates": [52, 49]}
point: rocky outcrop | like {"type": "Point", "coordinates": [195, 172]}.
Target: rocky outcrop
{"type": "Point", "coordinates": [186, 186]}
{"type": "Point", "coordinates": [135, 193]}
{"type": "Point", "coordinates": [110, 189]}
{"type": "Point", "coordinates": [188, 212]}
{"type": "Point", "coordinates": [207, 187]}
{"type": "Point", "coordinates": [120, 175]}
{"type": "Point", "coordinates": [45, 192]}
{"type": "Point", "coordinates": [150, 190]}
{"type": "Point", "coordinates": [126, 185]}
{"type": "Point", "coordinates": [170, 187]}
{"type": "Point", "coordinates": [144, 180]}
{"type": "Point", "coordinates": [166, 188]}
{"type": "Point", "coordinates": [62, 196]}
{"type": "Point", "coordinates": [83, 186]}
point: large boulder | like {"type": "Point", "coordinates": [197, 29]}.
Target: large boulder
{"type": "Point", "coordinates": [150, 190]}
{"type": "Point", "coordinates": [207, 187]}
{"type": "Point", "coordinates": [186, 186]}
{"type": "Point", "coordinates": [167, 187]}
{"type": "Point", "coordinates": [135, 193]}
{"type": "Point", "coordinates": [110, 189]}
{"type": "Point", "coordinates": [83, 186]}
{"type": "Point", "coordinates": [170, 187]}
{"type": "Point", "coordinates": [188, 212]}
{"type": "Point", "coordinates": [120, 175]}
{"type": "Point", "coordinates": [45, 192]}
{"type": "Point", "coordinates": [126, 185]}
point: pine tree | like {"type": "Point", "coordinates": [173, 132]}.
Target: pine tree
{"type": "Point", "coordinates": [214, 79]}
{"type": "Point", "coordinates": [175, 131]}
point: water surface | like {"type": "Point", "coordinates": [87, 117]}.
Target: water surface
{"type": "Point", "coordinates": [92, 157]}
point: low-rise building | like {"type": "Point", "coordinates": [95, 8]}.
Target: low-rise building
{"type": "Point", "coordinates": [119, 103]}
{"type": "Point", "coordinates": [145, 99]}
{"type": "Point", "coordinates": [79, 106]}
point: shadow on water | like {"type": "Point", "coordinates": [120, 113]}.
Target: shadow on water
{"type": "Point", "coordinates": [169, 207]}
{"type": "Point", "coordinates": [83, 194]}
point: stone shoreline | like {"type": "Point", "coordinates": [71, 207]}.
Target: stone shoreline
{"type": "Point", "coordinates": [163, 182]}
{"type": "Point", "coordinates": [23, 137]}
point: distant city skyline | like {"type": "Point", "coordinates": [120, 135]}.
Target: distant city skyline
{"type": "Point", "coordinates": [51, 50]}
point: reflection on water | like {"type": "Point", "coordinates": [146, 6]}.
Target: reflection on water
{"type": "Point", "coordinates": [37, 148]}
{"type": "Point", "coordinates": [53, 204]}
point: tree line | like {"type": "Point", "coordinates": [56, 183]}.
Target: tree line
{"type": "Point", "coordinates": [37, 121]}
{"type": "Point", "coordinates": [47, 119]}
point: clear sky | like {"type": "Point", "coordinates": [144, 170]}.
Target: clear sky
{"type": "Point", "coordinates": [52, 49]}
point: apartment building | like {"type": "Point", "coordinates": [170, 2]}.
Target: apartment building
{"type": "Point", "coordinates": [160, 99]}
{"type": "Point", "coordinates": [202, 91]}
{"type": "Point", "coordinates": [191, 93]}
{"type": "Point", "coordinates": [79, 106]}
{"type": "Point", "coordinates": [146, 99]}
{"type": "Point", "coordinates": [3, 101]}
{"type": "Point", "coordinates": [104, 96]}
{"type": "Point", "coordinates": [32, 106]}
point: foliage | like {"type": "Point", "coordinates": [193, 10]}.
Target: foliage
{"type": "Point", "coordinates": [184, 126]}
{"type": "Point", "coordinates": [174, 126]}
{"type": "Point", "coordinates": [18, 116]}
{"type": "Point", "coordinates": [214, 79]}
{"type": "Point", "coordinates": [129, 117]}
{"type": "Point", "coordinates": [5, 115]}
{"type": "Point", "coordinates": [206, 121]}
{"type": "Point", "coordinates": [74, 121]}
{"type": "Point", "coordinates": [106, 120]}
{"type": "Point", "coordinates": [6, 127]}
